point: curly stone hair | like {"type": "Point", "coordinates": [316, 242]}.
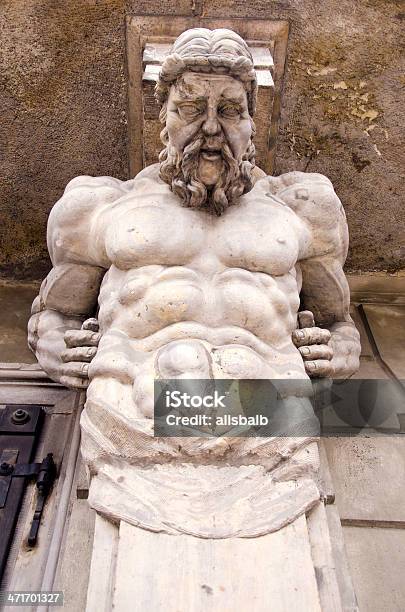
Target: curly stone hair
{"type": "Point", "coordinates": [218, 51]}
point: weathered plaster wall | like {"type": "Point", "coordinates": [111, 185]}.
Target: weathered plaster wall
{"type": "Point", "coordinates": [62, 101]}
{"type": "Point", "coordinates": [63, 109]}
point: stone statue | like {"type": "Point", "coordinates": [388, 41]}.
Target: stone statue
{"type": "Point", "coordinates": [200, 266]}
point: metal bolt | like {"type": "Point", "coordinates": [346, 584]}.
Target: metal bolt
{"type": "Point", "coordinates": [5, 469]}
{"type": "Point", "coordinates": [20, 416]}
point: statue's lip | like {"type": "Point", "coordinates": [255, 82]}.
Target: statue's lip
{"type": "Point", "coordinates": [210, 153]}
{"type": "Point", "coordinates": [211, 149]}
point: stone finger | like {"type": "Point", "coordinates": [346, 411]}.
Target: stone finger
{"type": "Point", "coordinates": [91, 324]}
{"type": "Point", "coordinates": [74, 383]}
{"type": "Point", "coordinates": [310, 335]}
{"type": "Point", "coordinates": [79, 337]}
{"type": "Point", "coordinates": [79, 353]}
{"type": "Point", "coordinates": [316, 351]}
{"type": "Point", "coordinates": [76, 369]}
{"type": "Point", "coordinates": [321, 367]}
{"type": "Point", "coordinates": [306, 319]}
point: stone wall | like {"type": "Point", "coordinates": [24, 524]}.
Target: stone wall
{"type": "Point", "coordinates": [63, 110]}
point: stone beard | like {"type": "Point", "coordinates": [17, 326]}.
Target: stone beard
{"type": "Point", "coordinates": [181, 172]}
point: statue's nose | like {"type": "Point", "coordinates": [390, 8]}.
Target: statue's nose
{"type": "Point", "coordinates": [211, 125]}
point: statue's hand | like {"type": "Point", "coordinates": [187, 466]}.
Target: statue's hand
{"type": "Point", "coordinates": [81, 347]}
{"type": "Point", "coordinates": [312, 343]}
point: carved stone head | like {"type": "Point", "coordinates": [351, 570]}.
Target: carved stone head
{"type": "Point", "coordinates": [207, 91]}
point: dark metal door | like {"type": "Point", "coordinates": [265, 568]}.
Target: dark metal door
{"type": "Point", "coordinates": [19, 429]}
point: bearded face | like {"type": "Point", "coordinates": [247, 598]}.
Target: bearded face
{"type": "Point", "coordinates": [209, 155]}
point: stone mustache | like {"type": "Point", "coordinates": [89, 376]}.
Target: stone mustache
{"type": "Point", "coordinates": [200, 265]}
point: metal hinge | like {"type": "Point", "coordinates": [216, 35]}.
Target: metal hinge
{"type": "Point", "coordinates": [44, 472]}
{"type": "Point", "coordinates": [20, 426]}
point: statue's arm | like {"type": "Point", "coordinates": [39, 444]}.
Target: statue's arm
{"type": "Point", "coordinates": [332, 346]}
{"type": "Point", "coordinates": [325, 291]}
{"type": "Point", "coordinates": [67, 298]}
{"type": "Point", "coordinates": [68, 295]}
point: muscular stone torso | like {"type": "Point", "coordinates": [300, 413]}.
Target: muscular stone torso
{"type": "Point", "coordinates": [187, 294]}
{"type": "Point", "coordinates": [218, 295]}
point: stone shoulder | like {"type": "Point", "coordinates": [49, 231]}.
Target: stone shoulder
{"type": "Point", "coordinates": [313, 199]}
{"type": "Point", "coordinates": [72, 224]}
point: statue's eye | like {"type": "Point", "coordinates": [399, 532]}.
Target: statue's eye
{"type": "Point", "coordinates": [189, 111]}
{"type": "Point", "coordinates": [229, 111]}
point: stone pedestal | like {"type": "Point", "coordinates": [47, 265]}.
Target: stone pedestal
{"type": "Point", "coordinates": [291, 569]}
